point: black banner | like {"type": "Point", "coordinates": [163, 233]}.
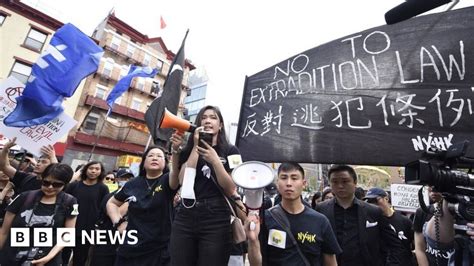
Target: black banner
{"type": "Point", "coordinates": [379, 97]}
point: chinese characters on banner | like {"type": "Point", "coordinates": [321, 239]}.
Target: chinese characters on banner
{"type": "Point", "coordinates": [379, 97]}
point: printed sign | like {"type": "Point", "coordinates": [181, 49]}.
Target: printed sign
{"type": "Point", "coordinates": [30, 138]}
{"type": "Point", "coordinates": [405, 197]}
{"type": "Point", "coordinates": [378, 97]}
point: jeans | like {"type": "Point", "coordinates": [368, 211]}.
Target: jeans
{"type": "Point", "coordinates": [201, 235]}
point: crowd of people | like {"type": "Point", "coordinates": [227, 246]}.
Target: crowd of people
{"type": "Point", "coordinates": [180, 206]}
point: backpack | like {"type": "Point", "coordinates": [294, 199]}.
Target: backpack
{"type": "Point", "coordinates": [33, 197]}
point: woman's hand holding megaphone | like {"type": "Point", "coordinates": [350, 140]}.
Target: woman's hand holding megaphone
{"type": "Point", "coordinates": [176, 141]}
{"type": "Point", "coordinates": [252, 226]}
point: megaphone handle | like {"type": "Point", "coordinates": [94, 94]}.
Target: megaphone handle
{"type": "Point", "coordinates": [255, 213]}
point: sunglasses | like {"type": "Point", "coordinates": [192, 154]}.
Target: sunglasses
{"type": "Point", "coordinates": [46, 183]}
{"type": "Point", "coordinates": [110, 178]}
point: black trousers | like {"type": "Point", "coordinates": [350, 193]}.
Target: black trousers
{"type": "Point", "coordinates": [159, 258]}
{"type": "Point", "coordinates": [201, 235]}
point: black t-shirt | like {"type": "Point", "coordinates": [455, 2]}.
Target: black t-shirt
{"type": "Point", "coordinates": [311, 230]}
{"type": "Point", "coordinates": [89, 199]}
{"type": "Point", "coordinates": [25, 182]}
{"type": "Point", "coordinates": [204, 187]}
{"type": "Point", "coordinates": [104, 223]}
{"type": "Point", "coordinates": [3, 206]}
{"type": "Point", "coordinates": [402, 226]}
{"type": "Point", "coordinates": [420, 219]}
{"type": "Point", "coordinates": [38, 214]}
{"type": "Point", "coordinates": [149, 212]}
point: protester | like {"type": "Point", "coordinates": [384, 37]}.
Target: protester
{"type": "Point", "coordinates": [6, 194]}
{"type": "Point", "coordinates": [104, 255]}
{"type": "Point", "coordinates": [426, 248]}
{"type": "Point", "coordinates": [327, 194]}
{"type": "Point", "coordinates": [271, 243]}
{"type": "Point", "coordinates": [21, 180]}
{"type": "Point", "coordinates": [150, 197]}
{"type": "Point", "coordinates": [316, 199]}
{"type": "Point", "coordinates": [201, 233]}
{"type": "Point", "coordinates": [90, 192]}
{"type": "Point", "coordinates": [24, 161]}
{"type": "Point", "coordinates": [109, 181]}
{"type": "Point", "coordinates": [445, 245]}
{"type": "Point", "coordinates": [109, 177]}
{"type": "Point", "coordinates": [359, 193]}
{"type": "Point", "coordinates": [361, 229]}
{"type": "Point", "coordinates": [401, 225]}
{"type": "Point", "coordinates": [48, 207]}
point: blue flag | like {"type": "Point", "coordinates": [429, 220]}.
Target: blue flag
{"type": "Point", "coordinates": [70, 57]}
{"type": "Point", "coordinates": [123, 84]}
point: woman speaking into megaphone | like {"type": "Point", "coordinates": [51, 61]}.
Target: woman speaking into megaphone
{"type": "Point", "coordinates": [201, 232]}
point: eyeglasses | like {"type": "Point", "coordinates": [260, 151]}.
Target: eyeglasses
{"type": "Point", "coordinates": [46, 183]}
{"type": "Point", "coordinates": [109, 178]}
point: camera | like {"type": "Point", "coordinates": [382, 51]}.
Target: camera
{"type": "Point", "coordinates": [26, 256]}
{"type": "Point", "coordinates": [439, 169]}
{"type": "Point", "coordinates": [207, 137]}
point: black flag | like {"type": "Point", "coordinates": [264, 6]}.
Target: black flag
{"type": "Point", "coordinates": [169, 99]}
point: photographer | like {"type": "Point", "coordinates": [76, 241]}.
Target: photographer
{"type": "Point", "coordinates": [48, 207]}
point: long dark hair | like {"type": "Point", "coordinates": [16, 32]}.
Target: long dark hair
{"type": "Point", "coordinates": [145, 154]}
{"type": "Point", "coordinates": [101, 176]}
{"type": "Point", "coordinates": [222, 142]}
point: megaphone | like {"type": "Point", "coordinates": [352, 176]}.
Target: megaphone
{"type": "Point", "coordinates": [253, 176]}
{"type": "Point", "coordinates": [169, 120]}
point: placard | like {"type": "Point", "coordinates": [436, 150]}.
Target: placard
{"type": "Point", "coordinates": [30, 138]}
{"type": "Point", "coordinates": [378, 97]}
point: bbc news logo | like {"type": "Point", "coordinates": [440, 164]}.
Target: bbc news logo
{"type": "Point", "coordinates": [66, 237]}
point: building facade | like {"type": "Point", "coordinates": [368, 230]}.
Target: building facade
{"type": "Point", "coordinates": [119, 139]}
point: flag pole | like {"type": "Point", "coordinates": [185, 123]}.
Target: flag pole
{"type": "Point", "coordinates": [147, 143]}
{"type": "Point", "coordinates": [97, 139]}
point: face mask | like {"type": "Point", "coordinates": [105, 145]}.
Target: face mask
{"type": "Point", "coordinates": [187, 190]}
{"type": "Point", "coordinates": [121, 183]}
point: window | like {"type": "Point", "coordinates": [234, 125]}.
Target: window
{"type": "Point", "coordinates": [2, 18]}
{"type": "Point", "coordinates": [90, 123]}
{"type": "Point", "coordinates": [146, 60]}
{"type": "Point", "coordinates": [108, 67]}
{"type": "Point", "coordinates": [100, 92]}
{"type": "Point", "coordinates": [115, 44]}
{"type": "Point", "coordinates": [136, 104]}
{"type": "Point", "coordinates": [123, 71]}
{"type": "Point", "coordinates": [159, 65]}
{"type": "Point", "coordinates": [112, 118]}
{"type": "Point", "coordinates": [140, 84]}
{"type": "Point", "coordinates": [21, 71]}
{"type": "Point", "coordinates": [130, 50]}
{"type": "Point", "coordinates": [35, 39]}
